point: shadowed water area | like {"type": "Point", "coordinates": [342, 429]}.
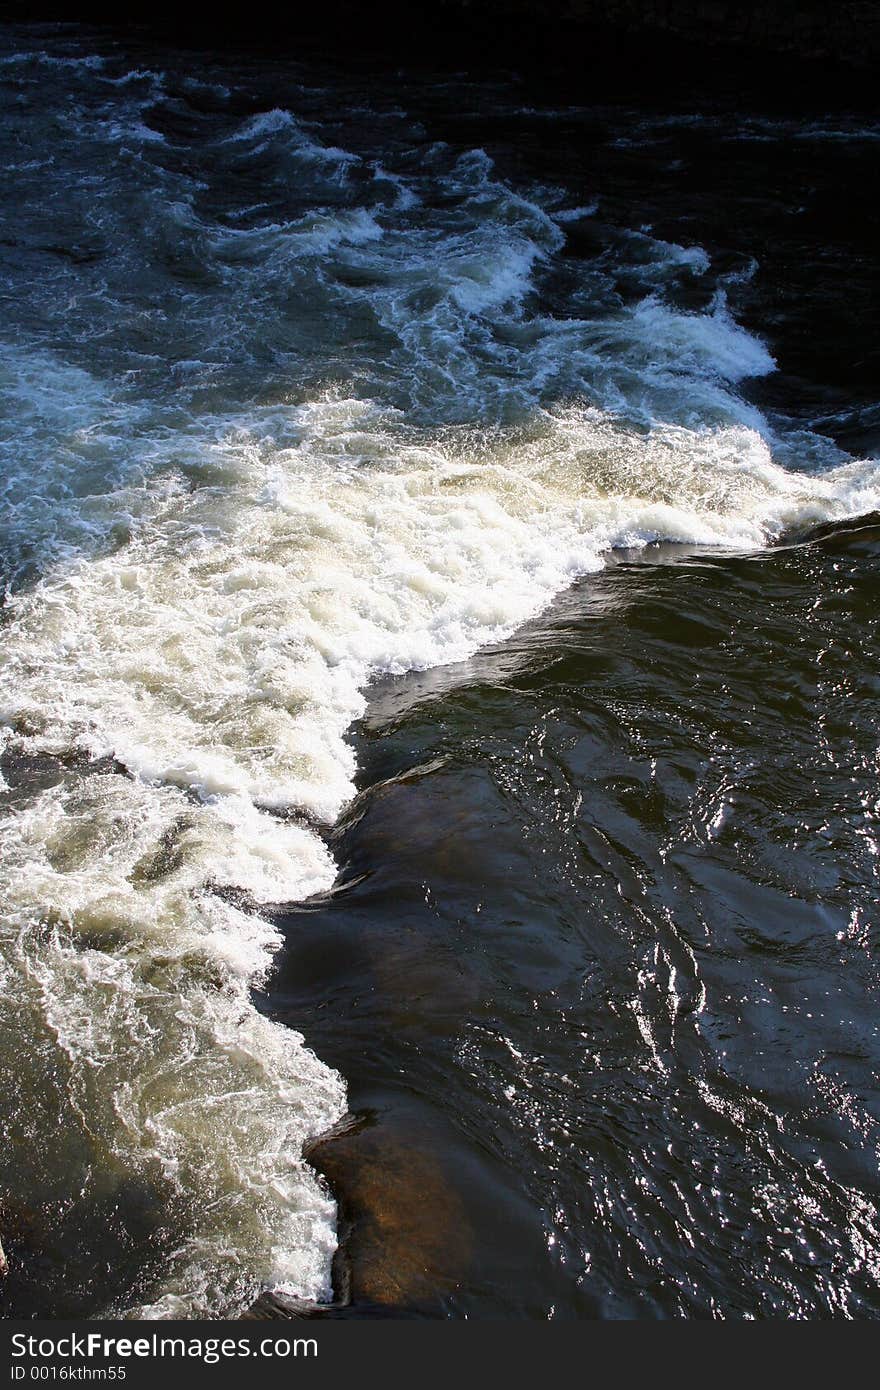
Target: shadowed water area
{"type": "Point", "coordinates": [438, 686]}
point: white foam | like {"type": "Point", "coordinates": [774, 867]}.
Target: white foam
{"type": "Point", "coordinates": [264, 123]}
{"type": "Point", "coordinates": [283, 130]}
{"type": "Point", "coordinates": [90, 63]}
{"type": "Point", "coordinates": [125, 131]}
{"type": "Point", "coordinates": [405, 197]}
{"type": "Point", "coordinates": [225, 650]}
{"type": "Point", "coordinates": [315, 233]}
{"type": "Point", "coordinates": [576, 214]}
{"type": "Point", "coordinates": [71, 467]}
{"type": "Point", "coordinates": [702, 343]}
{"type": "Point", "coordinates": [141, 976]}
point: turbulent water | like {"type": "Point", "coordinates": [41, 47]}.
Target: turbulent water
{"type": "Point", "coordinates": [313, 381]}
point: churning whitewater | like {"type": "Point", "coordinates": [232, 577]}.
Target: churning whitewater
{"type": "Point", "coordinates": [283, 414]}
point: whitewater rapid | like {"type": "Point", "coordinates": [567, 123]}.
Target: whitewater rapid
{"type": "Point", "coordinates": [311, 445]}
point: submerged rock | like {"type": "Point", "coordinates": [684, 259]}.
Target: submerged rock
{"type": "Point", "coordinates": [405, 1239]}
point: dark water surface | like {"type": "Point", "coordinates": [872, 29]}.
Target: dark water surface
{"type": "Point", "coordinates": [553, 428]}
{"type": "Point", "coordinates": [608, 952]}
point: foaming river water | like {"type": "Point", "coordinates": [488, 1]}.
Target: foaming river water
{"type": "Point", "coordinates": [438, 689]}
